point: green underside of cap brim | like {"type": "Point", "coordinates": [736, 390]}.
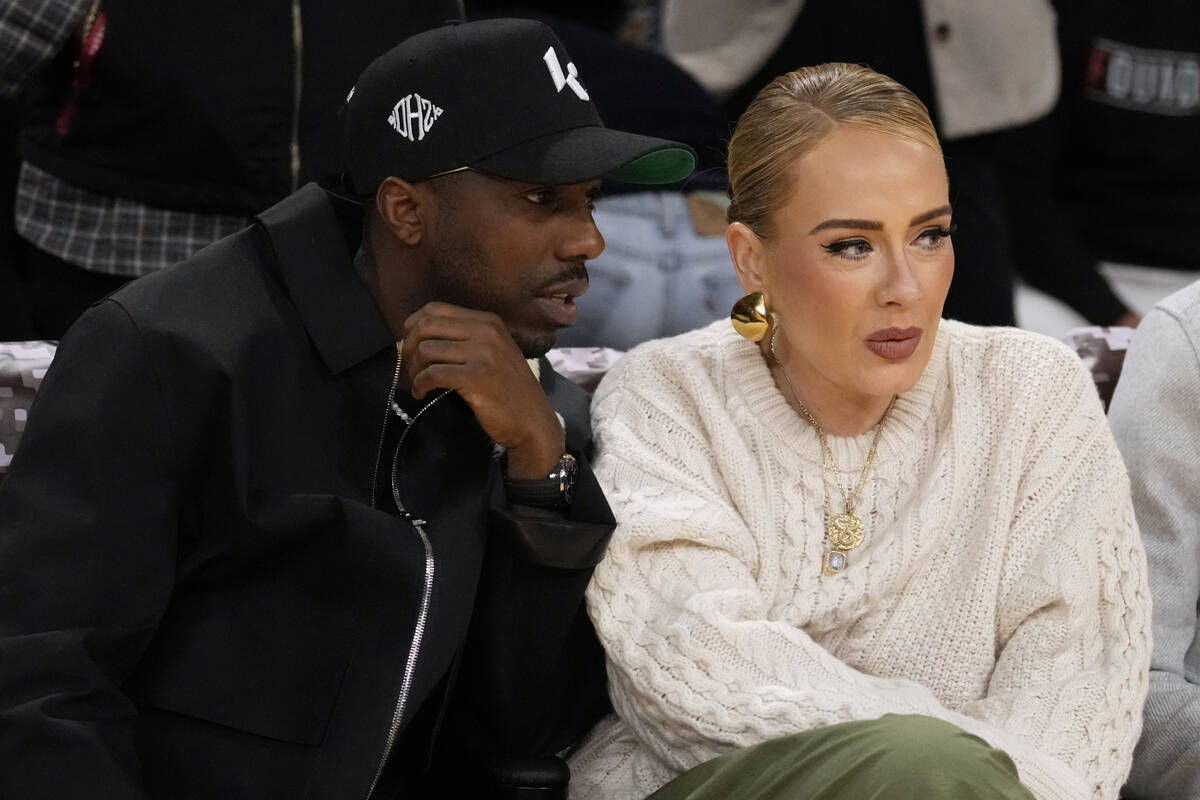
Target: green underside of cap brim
{"type": "Point", "coordinates": [668, 165]}
{"type": "Point", "coordinates": [589, 152]}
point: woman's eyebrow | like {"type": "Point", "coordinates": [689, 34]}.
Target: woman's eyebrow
{"type": "Point", "coordinates": [940, 211]}
{"type": "Point", "coordinates": [865, 224]}
{"type": "Point", "coordinates": [872, 225]}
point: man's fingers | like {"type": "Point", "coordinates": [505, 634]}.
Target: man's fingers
{"type": "Point", "coordinates": [440, 376]}
{"type": "Point", "coordinates": [427, 326]}
{"type": "Point", "coordinates": [439, 333]}
{"type": "Point", "coordinates": [472, 353]}
{"type": "Point", "coordinates": [431, 351]}
{"type": "Point", "coordinates": [480, 357]}
{"type": "Point", "coordinates": [440, 309]}
{"type": "Point", "coordinates": [444, 321]}
{"type": "Point", "coordinates": [474, 371]}
{"type": "Point", "coordinates": [426, 354]}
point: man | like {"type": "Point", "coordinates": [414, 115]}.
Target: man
{"type": "Point", "coordinates": [251, 547]}
{"type": "Point", "coordinates": [1154, 420]}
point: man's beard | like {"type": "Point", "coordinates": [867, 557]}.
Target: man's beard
{"type": "Point", "coordinates": [454, 272]}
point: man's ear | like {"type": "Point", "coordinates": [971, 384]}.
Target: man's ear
{"type": "Point", "coordinates": [404, 209]}
{"type": "Point", "coordinates": [749, 255]}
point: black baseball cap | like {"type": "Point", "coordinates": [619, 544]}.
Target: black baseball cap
{"type": "Point", "coordinates": [500, 96]}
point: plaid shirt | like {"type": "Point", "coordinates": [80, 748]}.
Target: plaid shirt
{"type": "Point", "coordinates": [94, 231]}
{"type": "Point", "coordinates": [31, 32]}
{"type": "Point", "coordinates": [110, 234]}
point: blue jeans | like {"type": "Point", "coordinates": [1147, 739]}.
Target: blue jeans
{"type": "Point", "coordinates": [656, 277]}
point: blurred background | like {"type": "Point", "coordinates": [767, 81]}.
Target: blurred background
{"type": "Point", "coordinates": [133, 132]}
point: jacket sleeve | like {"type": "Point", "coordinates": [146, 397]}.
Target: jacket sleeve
{"type": "Point", "coordinates": [87, 558]}
{"type": "Point", "coordinates": [700, 663]}
{"type": "Point", "coordinates": [531, 680]}
{"type": "Point", "coordinates": [577, 539]}
{"type": "Point", "coordinates": [31, 32]}
{"type": "Point", "coordinates": [1154, 420]}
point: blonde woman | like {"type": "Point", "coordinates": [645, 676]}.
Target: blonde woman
{"type": "Point", "coordinates": [862, 551]}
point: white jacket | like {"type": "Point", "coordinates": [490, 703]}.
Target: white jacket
{"type": "Point", "coordinates": [995, 64]}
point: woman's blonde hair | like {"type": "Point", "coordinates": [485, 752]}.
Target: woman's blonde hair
{"type": "Point", "coordinates": [793, 113]}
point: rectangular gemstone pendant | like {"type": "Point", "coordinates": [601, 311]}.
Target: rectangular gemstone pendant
{"type": "Point", "coordinates": [835, 561]}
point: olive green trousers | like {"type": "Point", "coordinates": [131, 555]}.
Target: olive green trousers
{"type": "Point", "coordinates": [893, 757]}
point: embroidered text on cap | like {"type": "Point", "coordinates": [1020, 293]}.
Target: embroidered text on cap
{"type": "Point", "coordinates": [413, 116]}
{"type": "Point", "coordinates": [560, 80]}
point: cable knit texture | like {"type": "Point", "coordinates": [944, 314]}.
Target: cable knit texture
{"type": "Point", "coordinates": [1001, 585]}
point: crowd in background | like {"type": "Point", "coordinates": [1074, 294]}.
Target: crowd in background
{"type": "Point", "coordinates": [129, 140]}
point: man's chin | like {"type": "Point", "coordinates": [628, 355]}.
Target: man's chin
{"type": "Point", "coordinates": [534, 344]}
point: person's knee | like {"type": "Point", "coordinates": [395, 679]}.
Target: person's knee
{"type": "Point", "coordinates": [926, 757]}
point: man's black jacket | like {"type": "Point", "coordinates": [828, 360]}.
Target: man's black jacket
{"type": "Point", "coordinates": [200, 598]}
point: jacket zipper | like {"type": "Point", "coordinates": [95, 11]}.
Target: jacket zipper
{"type": "Point", "coordinates": [427, 589]}
{"type": "Point", "coordinates": [383, 430]}
{"type": "Point", "coordinates": [298, 85]}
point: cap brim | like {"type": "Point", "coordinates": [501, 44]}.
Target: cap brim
{"type": "Point", "coordinates": [591, 152]}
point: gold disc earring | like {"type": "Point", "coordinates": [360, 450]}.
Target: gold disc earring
{"type": "Point", "coordinates": [749, 317]}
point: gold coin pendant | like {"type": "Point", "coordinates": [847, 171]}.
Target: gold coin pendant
{"type": "Point", "coordinates": [846, 531]}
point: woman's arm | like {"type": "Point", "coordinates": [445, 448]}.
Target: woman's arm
{"type": "Point", "coordinates": [698, 662]}
{"type": "Point", "coordinates": [1073, 621]}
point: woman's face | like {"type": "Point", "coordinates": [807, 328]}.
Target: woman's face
{"type": "Point", "coordinates": [858, 265]}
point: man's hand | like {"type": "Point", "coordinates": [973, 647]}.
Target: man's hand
{"type": "Point", "coordinates": [472, 352]}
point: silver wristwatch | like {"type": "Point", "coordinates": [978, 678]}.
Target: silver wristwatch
{"type": "Point", "coordinates": [564, 472]}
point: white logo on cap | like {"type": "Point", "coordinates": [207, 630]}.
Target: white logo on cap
{"type": "Point", "coordinates": [413, 116]}
{"type": "Point", "coordinates": [560, 80]}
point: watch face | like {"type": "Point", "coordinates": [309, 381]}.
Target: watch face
{"type": "Point", "coordinates": [567, 467]}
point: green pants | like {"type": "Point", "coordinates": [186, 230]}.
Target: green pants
{"type": "Point", "coordinates": [891, 757]}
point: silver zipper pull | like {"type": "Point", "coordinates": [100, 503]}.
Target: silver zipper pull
{"type": "Point", "coordinates": [401, 413]}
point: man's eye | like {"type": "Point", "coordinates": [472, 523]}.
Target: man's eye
{"type": "Point", "coordinates": [540, 196]}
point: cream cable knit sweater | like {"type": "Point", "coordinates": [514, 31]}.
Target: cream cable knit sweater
{"type": "Point", "coordinates": [1001, 586]}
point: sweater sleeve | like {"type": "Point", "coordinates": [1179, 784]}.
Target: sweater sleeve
{"type": "Point", "coordinates": [1154, 420]}
{"type": "Point", "coordinates": [699, 661]}
{"type": "Point", "coordinates": [1073, 616]}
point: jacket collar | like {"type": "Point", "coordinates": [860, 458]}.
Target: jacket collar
{"type": "Point", "coordinates": [309, 232]}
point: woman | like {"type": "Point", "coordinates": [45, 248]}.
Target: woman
{"type": "Point", "coordinates": [867, 512]}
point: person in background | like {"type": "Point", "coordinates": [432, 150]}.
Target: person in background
{"type": "Point", "coordinates": [1113, 171]}
{"type": "Point", "coordinates": [151, 130]}
{"type": "Point", "coordinates": [665, 269]}
{"type": "Point", "coordinates": [297, 517]}
{"type": "Point", "coordinates": [980, 68]}
{"type": "Point", "coordinates": [861, 551]}
{"type": "Point", "coordinates": [16, 319]}
{"type": "Point", "coordinates": [1153, 417]}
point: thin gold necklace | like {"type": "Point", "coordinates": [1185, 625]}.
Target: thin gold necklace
{"type": "Point", "coordinates": [845, 531]}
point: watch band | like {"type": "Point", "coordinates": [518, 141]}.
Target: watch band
{"type": "Point", "coordinates": [554, 491]}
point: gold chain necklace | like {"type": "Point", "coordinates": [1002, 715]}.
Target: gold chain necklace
{"type": "Point", "coordinates": [846, 530]}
